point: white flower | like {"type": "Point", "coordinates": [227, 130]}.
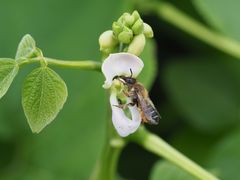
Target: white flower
{"type": "Point", "coordinates": [120, 64]}
{"type": "Point", "coordinates": [116, 65]}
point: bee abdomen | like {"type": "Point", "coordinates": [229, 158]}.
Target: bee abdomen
{"type": "Point", "coordinates": [153, 115]}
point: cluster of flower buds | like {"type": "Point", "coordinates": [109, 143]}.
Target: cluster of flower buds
{"type": "Point", "coordinates": [128, 34]}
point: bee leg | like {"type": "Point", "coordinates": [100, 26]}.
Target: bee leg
{"type": "Point", "coordinates": [131, 104]}
{"type": "Point", "coordinates": [144, 119]}
{"type": "Point", "coordinates": [126, 93]}
{"type": "Point", "coordinates": [121, 106]}
{"type": "Point", "coordinates": [125, 106]}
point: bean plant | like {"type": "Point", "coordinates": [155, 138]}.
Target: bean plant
{"type": "Point", "coordinates": [122, 47]}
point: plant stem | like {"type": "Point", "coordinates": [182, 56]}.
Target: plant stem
{"type": "Point", "coordinates": [158, 146]}
{"type": "Point", "coordinates": [186, 23]}
{"type": "Point", "coordinates": [106, 167]}
{"type": "Point", "coordinates": [84, 65]}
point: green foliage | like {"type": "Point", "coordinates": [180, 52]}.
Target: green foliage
{"type": "Point", "coordinates": [8, 71]}
{"type": "Point", "coordinates": [224, 158]}
{"type": "Point", "coordinates": [223, 15]}
{"type": "Point", "coordinates": [204, 92]}
{"type": "Point", "coordinates": [44, 94]}
{"type": "Point", "coordinates": [26, 47]}
{"type": "Point", "coordinates": [149, 58]}
{"type": "Point", "coordinates": [167, 171]}
{"type": "Point", "coordinates": [193, 144]}
{"type": "Point", "coordinates": [71, 145]}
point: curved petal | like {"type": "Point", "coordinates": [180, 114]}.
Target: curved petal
{"type": "Point", "coordinates": [121, 122]}
{"type": "Point", "coordinates": [120, 64]}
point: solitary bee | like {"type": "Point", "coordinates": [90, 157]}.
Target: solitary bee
{"type": "Point", "coordinates": [139, 96]}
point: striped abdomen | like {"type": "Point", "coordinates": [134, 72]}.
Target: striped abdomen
{"type": "Point", "coordinates": [151, 114]}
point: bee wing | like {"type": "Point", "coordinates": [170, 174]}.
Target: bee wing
{"type": "Point", "coordinates": [148, 109]}
{"type": "Point", "coordinates": [150, 102]}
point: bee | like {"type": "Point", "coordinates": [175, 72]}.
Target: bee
{"type": "Point", "coordinates": [139, 97]}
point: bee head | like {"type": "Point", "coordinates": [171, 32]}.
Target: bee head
{"type": "Point", "coordinates": [126, 80]}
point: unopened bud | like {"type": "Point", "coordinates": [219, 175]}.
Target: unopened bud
{"type": "Point", "coordinates": [147, 30]}
{"type": "Point", "coordinates": [137, 45]}
{"type": "Point", "coordinates": [135, 15]}
{"type": "Point", "coordinates": [138, 27]}
{"type": "Point", "coordinates": [117, 28]}
{"type": "Point", "coordinates": [107, 40]}
{"type": "Point", "coordinates": [127, 19]}
{"type": "Point", "coordinates": [125, 36]}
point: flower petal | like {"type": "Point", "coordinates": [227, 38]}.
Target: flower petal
{"type": "Point", "coordinates": [120, 64]}
{"type": "Point", "coordinates": [121, 122]}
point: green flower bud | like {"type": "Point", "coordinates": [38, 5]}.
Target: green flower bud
{"type": "Point", "coordinates": [147, 30]}
{"type": "Point", "coordinates": [120, 20]}
{"type": "Point", "coordinates": [117, 28]}
{"type": "Point", "coordinates": [125, 36]}
{"type": "Point", "coordinates": [107, 40]}
{"type": "Point", "coordinates": [137, 45]}
{"type": "Point", "coordinates": [138, 27]}
{"type": "Point", "coordinates": [136, 15]}
{"type": "Point", "coordinates": [127, 19]}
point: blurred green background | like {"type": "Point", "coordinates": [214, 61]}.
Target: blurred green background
{"type": "Point", "coordinates": [196, 89]}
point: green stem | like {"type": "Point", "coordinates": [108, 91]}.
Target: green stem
{"type": "Point", "coordinates": [106, 167]}
{"type": "Point", "coordinates": [186, 23]}
{"type": "Point", "coordinates": [84, 65]}
{"type": "Point", "coordinates": [158, 146]}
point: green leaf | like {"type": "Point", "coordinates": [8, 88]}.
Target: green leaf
{"type": "Point", "coordinates": [26, 47]}
{"type": "Point", "coordinates": [225, 157]}
{"type": "Point", "coordinates": [8, 70]}
{"type": "Point", "coordinates": [149, 58]}
{"type": "Point", "coordinates": [205, 93]}
{"type": "Point", "coordinates": [223, 15]}
{"type": "Point", "coordinates": [165, 170]}
{"type": "Point", "coordinates": [44, 94]}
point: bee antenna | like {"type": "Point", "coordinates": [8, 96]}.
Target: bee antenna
{"type": "Point", "coordinates": [131, 73]}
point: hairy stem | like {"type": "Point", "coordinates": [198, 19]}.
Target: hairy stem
{"type": "Point", "coordinates": [84, 65]}
{"type": "Point", "coordinates": [186, 23]}
{"type": "Point", "coordinates": [159, 147]}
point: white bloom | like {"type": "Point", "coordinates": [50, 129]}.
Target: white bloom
{"type": "Point", "coordinates": [116, 65]}
{"type": "Point", "coordinates": [120, 64]}
{"type": "Point", "coordinates": [121, 122]}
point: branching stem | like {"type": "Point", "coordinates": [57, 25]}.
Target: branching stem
{"type": "Point", "coordinates": [83, 64]}
{"type": "Point", "coordinates": [159, 147]}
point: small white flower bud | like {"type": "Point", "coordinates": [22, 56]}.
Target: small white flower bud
{"type": "Point", "coordinates": [107, 40]}
{"type": "Point", "coordinates": [147, 30]}
{"type": "Point", "coordinates": [137, 45]}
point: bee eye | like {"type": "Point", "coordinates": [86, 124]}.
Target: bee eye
{"type": "Point", "coordinates": [130, 81]}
